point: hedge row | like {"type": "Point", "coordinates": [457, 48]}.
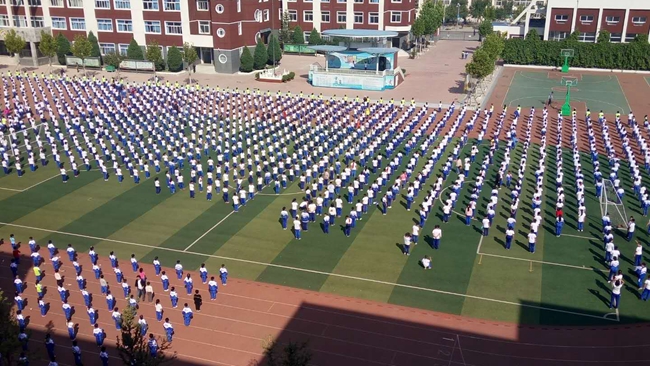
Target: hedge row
{"type": "Point", "coordinates": [603, 55]}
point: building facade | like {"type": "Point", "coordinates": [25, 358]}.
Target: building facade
{"type": "Point", "coordinates": [219, 29]}
{"type": "Point", "coordinates": [624, 19]}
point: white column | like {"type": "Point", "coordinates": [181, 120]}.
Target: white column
{"type": "Point", "coordinates": [547, 25]}
{"type": "Point", "coordinates": [185, 22]}
{"type": "Point", "coordinates": [317, 15]}
{"type": "Point", "coordinates": [47, 19]}
{"type": "Point", "coordinates": [380, 10]}
{"type": "Point", "coordinates": [91, 19]}
{"type": "Point", "coordinates": [625, 18]}
{"type": "Point", "coordinates": [138, 22]}
{"type": "Point", "coordinates": [600, 21]}
{"type": "Point", "coordinates": [28, 16]}
{"type": "Point", "coordinates": [573, 19]}
{"type": "Point", "coordinates": [349, 11]}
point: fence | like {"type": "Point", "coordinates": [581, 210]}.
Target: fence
{"type": "Point", "coordinates": [299, 48]}
{"type": "Point", "coordinates": [458, 36]}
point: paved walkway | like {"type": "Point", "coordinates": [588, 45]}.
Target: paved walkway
{"type": "Point", "coordinates": [437, 75]}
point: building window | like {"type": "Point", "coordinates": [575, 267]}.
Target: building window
{"type": "Point", "coordinates": [395, 17]}
{"type": "Point", "coordinates": [204, 27]}
{"type": "Point", "coordinates": [106, 48]}
{"type": "Point", "coordinates": [308, 16]}
{"type": "Point", "coordinates": [124, 26]}
{"type": "Point", "coordinates": [374, 1]}
{"type": "Point", "coordinates": [56, 3]}
{"type": "Point", "coordinates": [172, 5]}
{"type": "Point", "coordinates": [341, 17]}
{"type": "Point", "coordinates": [173, 28]}
{"type": "Point", "coordinates": [561, 18]}
{"type": "Point", "coordinates": [293, 15]}
{"type": "Point", "coordinates": [586, 19]}
{"type": "Point", "coordinates": [4, 20]}
{"type": "Point", "coordinates": [104, 25]}
{"type": "Point", "coordinates": [638, 20]}
{"type": "Point", "coordinates": [152, 26]}
{"type": "Point", "coordinates": [219, 9]}
{"type": "Point", "coordinates": [358, 17]}
{"type": "Point", "coordinates": [75, 4]}
{"type": "Point", "coordinates": [267, 15]}
{"type": "Point", "coordinates": [629, 37]}
{"type": "Point", "coordinates": [17, 2]}
{"type": "Point", "coordinates": [395, 1]}
{"type": "Point", "coordinates": [202, 5]}
{"type": "Point", "coordinates": [123, 48]}
{"type": "Point", "coordinates": [587, 37]}
{"type": "Point", "coordinates": [59, 23]}
{"type": "Point", "coordinates": [358, 1]}
{"type": "Point", "coordinates": [341, 1]}
{"type": "Point", "coordinates": [373, 18]}
{"type": "Point", "coordinates": [122, 4]}
{"type": "Point", "coordinates": [615, 37]}
{"type": "Point", "coordinates": [102, 4]}
{"type": "Point", "coordinates": [221, 32]}
{"type": "Point", "coordinates": [557, 36]}
{"type": "Point", "coordinates": [612, 20]}
{"type": "Point", "coordinates": [77, 24]}
{"type": "Point", "coordinates": [325, 16]}
{"type": "Point", "coordinates": [20, 21]}
{"type": "Point", "coordinates": [324, 1]}
{"type": "Point", "coordinates": [150, 5]}
{"type": "Point", "coordinates": [38, 22]}
{"type": "Point", "coordinates": [34, 2]}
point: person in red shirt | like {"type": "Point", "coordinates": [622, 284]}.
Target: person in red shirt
{"type": "Point", "coordinates": [16, 255]}
{"type": "Point", "coordinates": [558, 213]}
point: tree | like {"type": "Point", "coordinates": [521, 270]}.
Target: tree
{"type": "Point", "coordinates": [48, 46]}
{"type": "Point", "coordinates": [418, 28]}
{"type": "Point", "coordinates": [604, 36]}
{"type": "Point", "coordinates": [314, 37]}
{"type": "Point", "coordinates": [481, 65]}
{"type": "Point", "coordinates": [493, 45]}
{"type": "Point", "coordinates": [285, 32]}
{"type": "Point", "coordinates": [432, 14]}
{"type": "Point", "coordinates": [10, 347]}
{"type": "Point", "coordinates": [485, 28]}
{"type": "Point", "coordinates": [298, 36]}
{"type": "Point", "coordinates": [63, 48]}
{"type": "Point", "coordinates": [134, 51]}
{"type": "Point", "coordinates": [477, 10]}
{"type": "Point", "coordinates": [113, 59]}
{"type": "Point", "coordinates": [274, 51]}
{"type": "Point", "coordinates": [174, 59]}
{"type": "Point", "coordinates": [246, 61]}
{"type": "Point", "coordinates": [133, 347]}
{"type": "Point", "coordinates": [82, 49]}
{"type": "Point", "coordinates": [518, 10]}
{"type": "Point", "coordinates": [291, 354]}
{"type": "Point", "coordinates": [490, 13]}
{"type": "Point", "coordinates": [453, 10]}
{"type": "Point", "coordinates": [14, 42]}
{"type": "Point", "coordinates": [154, 54]}
{"type": "Point", "coordinates": [95, 45]}
{"type": "Point", "coordinates": [189, 57]}
{"type": "Point", "coordinates": [505, 10]}
{"type": "Point", "coordinates": [259, 56]}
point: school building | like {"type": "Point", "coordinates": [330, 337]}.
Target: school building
{"type": "Point", "coordinates": [219, 29]}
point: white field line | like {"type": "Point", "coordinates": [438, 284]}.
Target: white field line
{"type": "Point", "coordinates": [30, 187]}
{"type": "Point", "coordinates": [315, 272]}
{"type": "Point", "coordinates": [207, 232]}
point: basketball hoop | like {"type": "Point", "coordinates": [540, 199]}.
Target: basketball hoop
{"type": "Point", "coordinates": [566, 53]}
{"type": "Point", "coordinates": [569, 82]}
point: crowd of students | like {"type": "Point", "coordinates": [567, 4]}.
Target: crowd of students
{"type": "Point", "coordinates": [142, 293]}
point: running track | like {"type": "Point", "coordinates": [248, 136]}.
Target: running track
{"type": "Point", "coordinates": [341, 331]}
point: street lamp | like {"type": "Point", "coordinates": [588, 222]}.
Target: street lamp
{"type": "Point", "coordinates": [457, 15]}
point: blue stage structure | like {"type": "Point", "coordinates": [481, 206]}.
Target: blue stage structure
{"type": "Point", "coordinates": [360, 68]}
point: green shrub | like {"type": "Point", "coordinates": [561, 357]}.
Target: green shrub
{"type": "Point", "coordinates": [174, 59]}
{"type": "Point", "coordinates": [246, 61]}
{"type": "Point", "coordinates": [63, 48]}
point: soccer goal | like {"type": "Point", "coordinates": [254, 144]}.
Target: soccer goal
{"type": "Point", "coordinates": [611, 203]}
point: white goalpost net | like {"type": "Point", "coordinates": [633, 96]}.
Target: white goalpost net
{"type": "Point", "coordinates": [611, 203]}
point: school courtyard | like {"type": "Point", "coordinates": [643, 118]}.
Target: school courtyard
{"type": "Point", "coordinates": [564, 283]}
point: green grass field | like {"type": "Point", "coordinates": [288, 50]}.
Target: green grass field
{"type": "Point", "coordinates": [563, 283]}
